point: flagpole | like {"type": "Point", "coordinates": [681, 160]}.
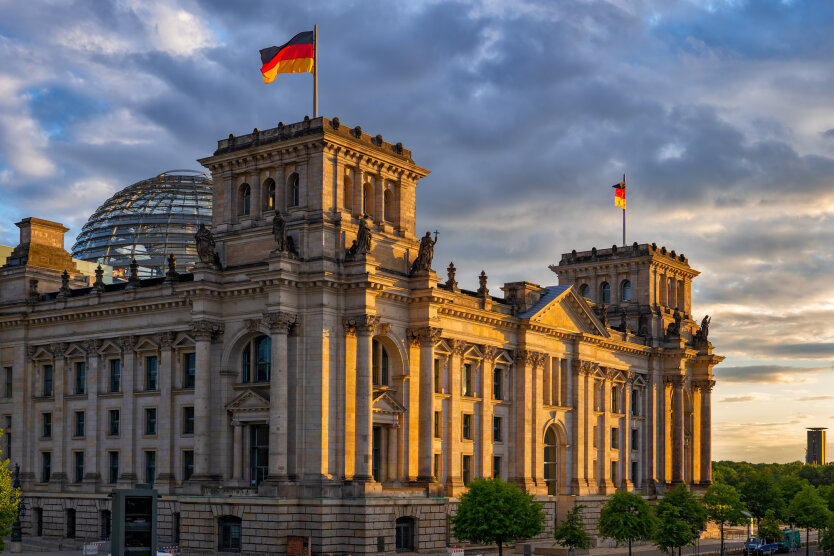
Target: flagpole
{"type": "Point", "coordinates": [624, 215]}
{"type": "Point", "coordinates": [315, 71]}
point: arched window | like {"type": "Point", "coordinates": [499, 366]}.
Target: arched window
{"type": "Point", "coordinates": [292, 190]}
{"type": "Point", "coordinates": [256, 359]}
{"type": "Point", "coordinates": [380, 364]}
{"type": "Point", "coordinates": [585, 291]}
{"type": "Point", "coordinates": [625, 290]}
{"type": "Point", "coordinates": [388, 205]}
{"type": "Point", "coordinates": [244, 200]}
{"type": "Point", "coordinates": [348, 200]}
{"type": "Point", "coordinates": [605, 293]}
{"type": "Point", "coordinates": [269, 187]}
{"type": "Point", "coordinates": [405, 534]}
{"type": "Point", "coordinates": [368, 200]}
{"type": "Point", "coordinates": [550, 461]}
{"type": "Point", "coordinates": [228, 533]}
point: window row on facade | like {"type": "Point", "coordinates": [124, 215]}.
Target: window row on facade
{"type": "Point", "coordinates": [112, 460]}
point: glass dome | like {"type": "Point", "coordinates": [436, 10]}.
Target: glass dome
{"type": "Point", "coordinates": [148, 221]}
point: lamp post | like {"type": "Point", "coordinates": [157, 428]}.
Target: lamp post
{"type": "Point", "coordinates": [17, 534]}
{"type": "Point", "coordinates": [791, 520]}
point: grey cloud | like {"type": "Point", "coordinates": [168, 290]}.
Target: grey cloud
{"type": "Point", "coordinates": [813, 398]}
{"type": "Point", "coordinates": [738, 399]}
{"type": "Point", "coordinates": [766, 373]}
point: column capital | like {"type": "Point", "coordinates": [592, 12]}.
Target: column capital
{"type": "Point", "coordinates": [704, 385]}
{"type": "Point", "coordinates": [585, 367]}
{"type": "Point", "coordinates": [127, 343]}
{"type": "Point", "coordinates": [459, 347]}
{"type": "Point", "coordinates": [237, 423]}
{"type": "Point", "coordinates": [425, 336]}
{"type": "Point", "coordinates": [530, 357]}
{"type": "Point", "coordinates": [58, 349]}
{"type": "Point", "coordinates": [206, 330]}
{"type": "Point", "coordinates": [280, 322]}
{"type": "Point", "coordinates": [166, 339]}
{"type": "Point", "coordinates": [362, 325]}
{"type": "Point", "coordinates": [91, 347]}
{"type": "Point", "coordinates": [489, 352]}
{"type": "Point", "coordinates": [676, 381]}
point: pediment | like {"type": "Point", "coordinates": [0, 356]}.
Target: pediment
{"type": "Point", "coordinates": [385, 403]}
{"type": "Point", "coordinates": [562, 307]}
{"type": "Point", "coordinates": [248, 401]}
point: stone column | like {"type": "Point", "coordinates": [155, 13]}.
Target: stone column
{"type": "Point", "coordinates": [364, 330]}
{"type": "Point", "coordinates": [257, 199]}
{"type": "Point", "coordinates": [579, 482]}
{"type": "Point", "coordinates": [705, 387]}
{"type": "Point", "coordinates": [204, 331]}
{"type": "Point", "coordinates": [454, 480]}
{"type": "Point", "coordinates": [606, 486]}
{"type": "Point", "coordinates": [392, 453]}
{"type": "Point", "coordinates": [677, 382]}
{"type": "Point", "coordinates": [237, 452]}
{"type": "Point", "coordinates": [58, 477]}
{"type": "Point", "coordinates": [526, 362]}
{"type": "Point", "coordinates": [128, 425]}
{"type": "Point", "coordinates": [279, 326]}
{"type": "Point", "coordinates": [426, 337]}
{"type": "Point", "coordinates": [92, 467]}
{"type": "Point", "coordinates": [625, 434]}
{"type": "Point", "coordinates": [165, 418]}
{"type": "Point", "coordinates": [541, 365]}
{"type": "Point", "coordinates": [487, 413]}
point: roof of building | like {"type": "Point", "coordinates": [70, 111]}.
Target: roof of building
{"type": "Point", "coordinates": [552, 293]}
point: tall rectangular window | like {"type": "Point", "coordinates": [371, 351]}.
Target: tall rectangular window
{"type": "Point", "coordinates": [497, 390]}
{"type": "Point", "coordinates": [188, 420]}
{"type": "Point", "coordinates": [467, 426]}
{"type": "Point", "coordinates": [467, 379]}
{"type": "Point", "coordinates": [46, 466]}
{"type": "Point", "coordinates": [115, 375]}
{"type": "Point", "coordinates": [8, 434]}
{"type": "Point", "coordinates": [151, 377]}
{"type": "Point", "coordinates": [437, 376]}
{"type": "Point", "coordinates": [150, 420]}
{"type": "Point", "coordinates": [80, 426]}
{"type": "Point", "coordinates": [615, 437]}
{"type": "Point", "coordinates": [190, 370]}
{"type": "Point", "coordinates": [150, 467]}
{"type": "Point", "coordinates": [466, 469]}
{"type": "Point", "coordinates": [8, 390]}
{"type": "Point", "coordinates": [635, 439]}
{"type": "Point", "coordinates": [80, 377]}
{"type": "Point", "coordinates": [437, 424]}
{"type": "Point", "coordinates": [496, 429]}
{"type": "Point", "coordinates": [47, 380]}
{"type": "Point", "coordinates": [113, 430]}
{"type": "Point", "coordinates": [187, 464]}
{"type": "Point", "coordinates": [113, 467]}
{"type": "Point", "coordinates": [496, 467]}
{"type": "Point", "coordinates": [436, 466]}
{"type": "Point", "coordinates": [614, 472]}
{"type": "Point", "coordinates": [635, 402]}
{"type": "Point", "coordinates": [78, 466]}
{"type": "Point", "coordinates": [46, 419]}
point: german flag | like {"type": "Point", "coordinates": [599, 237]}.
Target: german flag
{"type": "Point", "coordinates": [296, 56]}
{"type": "Point", "coordinates": [620, 194]}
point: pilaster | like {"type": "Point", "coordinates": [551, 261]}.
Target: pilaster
{"type": "Point", "coordinates": [204, 332]}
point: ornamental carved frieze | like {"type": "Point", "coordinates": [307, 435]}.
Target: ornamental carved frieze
{"type": "Point", "coordinates": [31, 350]}
{"type": "Point", "coordinates": [425, 336]}
{"type": "Point", "coordinates": [280, 322]}
{"type": "Point", "coordinates": [206, 330]}
{"type": "Point", "coordinates": [166, 339]}
{"type": "Point", "coordinates": [586, 367]}
{"type": "Point", "coordinates": [490, 353]}
{"type": "Point", "coordinates": [704, 385]}
{"type": "Point", "coordinates": [530, 357]}
{"type": "Point", "coordinates": [362, 325]}
{"type": "Point", "coordinates": [458, 347]}
{"type": "Point", "coordinates": [91, 347]}
{"type": "Point", "coordinates": [127, 343]}
{"type": "Point", "coordinates": [58, 350]}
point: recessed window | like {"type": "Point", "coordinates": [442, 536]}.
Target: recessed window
{"type": "Point", "coordinates": [615, 438]}
{"type": "Point", "coordinates": [605, 293]}
{"type": "Point", "coordinates": [437, 424]}
{"type": "Point", "coordinates": [115, 375]}
{"type": "Point", "coordinates": [550, 461]}
{"type": "Point", "coordinates": [388, 205]}
{"type": "Point", "coordinates": [496, 467]}
{"type": "Point", "coordinates": [437, 376]}
{"type": "Point", "coordinates": [189, 364]}
{"type": "Point", "coordinates": [635, 439]}
{"type": "Point", "coordinates": [46, 466]}
{"type": "Point", "coordinates": [466, 469]}
{"type": "Point", "coordinates": [151, 373]}
{"type": "Point", "coordinates": [257, 368]}
{"type": "Point", "coordinates": [585, 291]}
{"type": "Point", "coordinates": [404, 540]}
{"type": "Point", "coordinates": [80, 377]}
{"type": "Point", "coordinates": [380, 364]}
{"type": "Point", "coordinates": [615, 398]}
{"type": "Point", "coordinates": [497, 383]}
{"type": "Point", "coordinates": [47, 380]}
{"type": "Point", "coordinates": [269, 187]}
{"type": "Point", "coordinates": [436, 466]}
{"type": "Point", "coordinates": [46, 420]}
{"type": "Point", "coordinates": [467, 379]}
{"type": "Point", "coordinates": [113, 429]}
{"type": "Point", "coordinates": [70, 523]}
{"type": "Point", "coordinates": [625, 289]}
{"type": "Point", "coordinates": [467, 426]}
{"type": "Point", "coordinates": [8, 389]}
{"type": "Point", "coordinates": [293, 193]}
{"type": "Point", "coordinates": [635, 402]}
{"type": "Point", "coordinates": [244, 200]}
{"type": "Point", "coordinates": [150, 467]}
{"type": "Point", "coordinates": [78, 466]}
{"type": "Point", "coordinates": [80, 425]}
{"type": "Point", "coordinates": [150, 421]}
{"type": "Point", "coordinates": [348, 189]}
{"type": "Point", "coordinates": [229, 534]}
{"type": "Point", "coordinates": [113, 467]}
{"type": "Point", "coordinates": [187, 464]}
{"type": "Point", "coordinates": [105, 523]}
{"type": "Point", "coordinates": [188, 420]}
{"type": "Point", "coordinates": [368, 200]}
{"type": "Point", "coordinates": [497, 435]}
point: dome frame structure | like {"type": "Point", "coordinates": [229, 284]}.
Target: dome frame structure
{"type": "Point", "coordinates": [147, 221]}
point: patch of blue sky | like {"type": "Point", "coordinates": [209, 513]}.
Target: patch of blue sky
{"type": "Point", "coordinates": [57, 108]}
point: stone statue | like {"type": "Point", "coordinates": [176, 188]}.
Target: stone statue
{"type": "Point", "coordinates": [425, 254]}
{"type": "Point", "coordinates": [98, 285]}
{"type": "Point", "coordinates": [362, 243]}
{"type": "Point", "coordinates": [603, 315]}
{"type": "Point", "coordinates": [65, 289]}
{"type": "Point", "coordinates": [451, 283]}
{"type": "Point", "coordinates": [205, 246]}
{"type": "Point", "coordinates": [643, 325]}
{"type": "Point", "coordinates": [705, 326]}
{"type": "Point", "coordinates": [279, 231]}
{"type": "Point", "coordinates": [172, 275]}
{"type": "Point", "coordinates": [700, 337]}
{"type": "Point", "coordinates": [483, 291]}
{"type": "Point", "coordinates": [674, 328]}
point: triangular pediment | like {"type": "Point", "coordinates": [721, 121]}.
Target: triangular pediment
{"type": "Point", "coordinates": [248, 401]}
{"type": "Point", "coordinates": [385, 403]}
{"type": "Point", "coordinates": [562, 307]}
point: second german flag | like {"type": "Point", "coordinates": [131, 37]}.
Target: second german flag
{"type": "Point", "coordinates": [296, 56]}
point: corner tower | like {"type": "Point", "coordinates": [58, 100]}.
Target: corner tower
{"type": "Point", "coordinates": [322, 177]}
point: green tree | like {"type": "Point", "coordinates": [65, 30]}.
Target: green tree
{"type": "Point", "coordinates": [9, 499]}
{"type": "Point", "coordinates": [790, 485]}
{"type": "Point", "coordinates": [810, 511]}
{"type": "Point", "coordinates": [495, 512]}
{"type": "Point", "coordinates": [626, 517]}
{"type": "Point", "coordinates": [691, 511]}
{"type": "Point", "coordinates": [769, 528]}
{"type": "Point", "coordinates": [724, 506]}
{"type": "Point", "coordinates": [761, 493]}
{"type": "Point", "coordinates": [571, 533]}
{"type": "Point", "coordinates": [671, 530]}
{"type": "Point", "coordinates": [826, 543]}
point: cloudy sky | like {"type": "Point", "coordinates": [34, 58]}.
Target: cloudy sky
{"type": "Point", "coordinates": [721, 113]}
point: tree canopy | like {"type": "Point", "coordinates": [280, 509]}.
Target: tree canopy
{"type": "Point", "coordinates": [760, 493]}
{"type": "Point", "coordinates": [809, 509]}
{"type": "Point", "coordinates": [626, 517]}
{"type": "Point", "coordinates": [571, 533]}
{"type": "Point", "coordinates": [671, 530]}
{"type": "Point", "coordinates": [769, 528]}
{"type": "Point", "coordinates": [690, 510]}
{"type": "Point", "coordinates": [9, 499]}
{"type": "Point", "coordinates": [495, 512]}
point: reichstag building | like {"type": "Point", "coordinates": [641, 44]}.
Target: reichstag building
{"type": "Point", "coordinates": [292, 369]}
